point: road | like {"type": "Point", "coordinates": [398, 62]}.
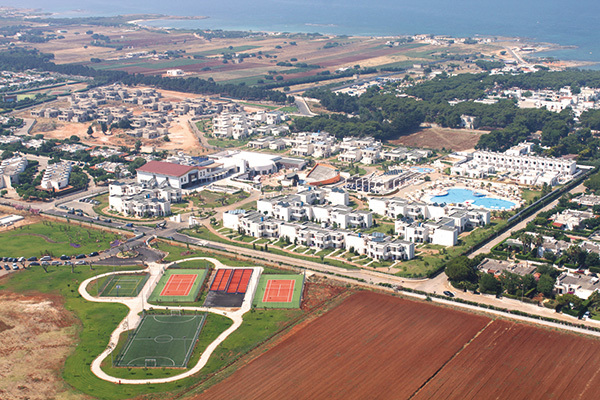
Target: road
{"type": "Point", "coordinates": [521, 225]}
{"type": "Point", "coordinates": [200, 136]}
{"type": "Point", "coordinates": [436, 285]}
{"type": "Point", "coordinates": [303, 108]}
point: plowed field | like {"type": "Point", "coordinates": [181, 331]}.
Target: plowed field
{"type": "Point", "coordinates": [372, 346]}
{"type": "Point", "coordinates": [516, 361]}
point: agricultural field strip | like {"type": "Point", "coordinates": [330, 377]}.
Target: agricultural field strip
{"type": "Point", "coordinates": [411, 339]}
{"type": "Point", "coordinates": [135, 307]}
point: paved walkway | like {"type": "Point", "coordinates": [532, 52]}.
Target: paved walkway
{"type": "Point", "coordinates": [137, 304]}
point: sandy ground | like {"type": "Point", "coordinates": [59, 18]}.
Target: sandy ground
{"type": "Point", "coordinates": [37, 335]}
{"type": "Point", "coordinates": [180, 135]}
{"type": "Point", "coordinates": [438, 138]}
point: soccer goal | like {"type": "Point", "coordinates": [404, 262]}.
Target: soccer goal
{"type": "Point", "coordinates": [150, 362]}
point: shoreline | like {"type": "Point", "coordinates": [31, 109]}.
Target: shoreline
{"type": "Point", "coordinates": [516, 42]}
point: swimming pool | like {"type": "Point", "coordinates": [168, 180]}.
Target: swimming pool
{"type": "Point", "coordinates": [423, 170]}
{"type": "Point", "coordinates": [458, 196]}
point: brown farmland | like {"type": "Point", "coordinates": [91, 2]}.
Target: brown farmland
{"type": "Point", "coordinates": [371, 346]}
{"type": "Point", "coordinates": [516, 361]}
{"type": "Point", "coordinates": [438, 138]}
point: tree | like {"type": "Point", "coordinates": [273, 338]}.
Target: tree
{"type": "Point", "coordinates": [138, 145]}
{"type": "Point", "coordinates": [103, 127]}
{"type": "Point", "coordinates": [461, 270]}
{"type": "Point", "coordinates": [546, 285]}
{"type": "Point", "coordinates": [489, 284]}
{"type": "Point", "coordinates": [90, 130]}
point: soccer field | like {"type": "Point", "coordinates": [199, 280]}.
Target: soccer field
{"type": "Point", "coordinates": [123, 285]}
{"type": "Point", "coordinates": [162, 341]}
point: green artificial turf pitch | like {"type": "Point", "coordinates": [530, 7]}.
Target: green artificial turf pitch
{"type": "Point", "coordinates": [162, 341]}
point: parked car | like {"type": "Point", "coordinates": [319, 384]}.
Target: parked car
{"type": "Point", "coordinates": [55, 262]}
{"type": "Point", "coordinates": [46, 258]}
{"type": "Point", "coordinates": [32, 259]}
{"type": "Point", "coordinates": [448, 293]}
{"type": "Point", "coordinates": [45, 263]}
{"type": "Point", "coordinates": [34, 264]}
{"type": "Point", "coordinates": [65, 257]}
{"type": "Point", "coordinates": [79, 256]}
{"type": "Point", "coordinates": [22, 259]}
{"type": "Point", "coordinates": [6, 267]}
{"type": "Point", "coordinates": [81, 262]}
{"type": "Point", "coordinates": [15, 266]}
{"type": "Point", "coordinates": [129, 225]}
{"type": "Point", "coordinates": [93, 254]}
{"type": "Point", "coordinates": [68, 263]}
{"type": "Point", "coordinates": [108, 220]}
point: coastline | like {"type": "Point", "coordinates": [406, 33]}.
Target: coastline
{"type": "Point", "coordinates": [146, 21]}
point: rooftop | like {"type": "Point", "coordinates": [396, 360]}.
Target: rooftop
{"type": "Point", "coordinates": [165, 168]}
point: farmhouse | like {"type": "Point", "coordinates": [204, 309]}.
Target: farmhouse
{"type": "Point", "coordinates": [580, 285]}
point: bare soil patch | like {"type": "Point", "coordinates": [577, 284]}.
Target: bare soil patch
{"type": "Point", "coordinates": [361, 349]}
{"type": "Point", "coordinates": [516, 361]}
{"type": "Point", "coordinates": [438, 138]}
{"type": "Point", "coordinates": [37, 336]}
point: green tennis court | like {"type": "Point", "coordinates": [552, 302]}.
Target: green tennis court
{"type": "Point", "coordinates": [178, 285]}
{"type": "Point", "coordinates": [279, 291]}
{"type": "Point", "coordinates": [123, 285]}
{"type": "Point", "coordinates": [162, 341]}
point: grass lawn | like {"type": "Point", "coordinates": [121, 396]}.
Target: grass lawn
{"type": "Point", "coordinates": [98, 320]}
{"type": "Point", "coordinates": [531, 195]}
{"type": "Point", "coordinates": [179, 253]}
{"type": "Point", "coordinates": [210, 199]}
{"type": "Point", "coordinates": [55, 238]}
{"type": "Point", "coordinates": [227, 143]}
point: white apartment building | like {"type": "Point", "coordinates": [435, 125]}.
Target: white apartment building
{"type": "Point", "coordinates": [376, 246]}
{"type": "Point", "coordinates": [524, 163]}
{"type": "Point", "coordinates": [10, 170]}
{"type": "Point", "coordinates": [56, 176]}
{"type": "Point", "coordinates": [148, 199]}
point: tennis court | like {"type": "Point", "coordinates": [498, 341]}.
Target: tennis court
{"type": "Point", "coordinates": [162, 341]}
{"type": "Point", "coordinates": [279, 291]}
{"type": "Point", "coordinates": [123, 285]}
{"type": "Point", "coordinates": [178, 285]}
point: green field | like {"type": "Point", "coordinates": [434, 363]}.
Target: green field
{"type": "Point", "coordinates": [262, 285]}
{"type": "Point", "coordinates": [155, 297]}
{"type": "Point", "coordinates": [162, 341]}
{"type": "Point", "coordinates": [54, 238]}
{"type": "Point", "coordinates": [123, 285]}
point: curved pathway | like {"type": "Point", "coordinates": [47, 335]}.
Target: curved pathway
{"type": "Point", "coordinates": [137, 304]}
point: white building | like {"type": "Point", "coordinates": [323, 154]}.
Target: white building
{"type": "Point", "coordinates": [10, 170]}
{"type": "Point", "coordinates": [148, 199]}
{"type": "Point", "coordinates": [181, 176]}
{"type": "Point", "coordinates": [56, 176]}
{"type": "Point", "coordinates": [580, 285]}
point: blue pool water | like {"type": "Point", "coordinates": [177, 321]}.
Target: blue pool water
{"type": "Point", "coordinates": [423, 170]}
{"type": "Point", "coordinates": [458, 196]}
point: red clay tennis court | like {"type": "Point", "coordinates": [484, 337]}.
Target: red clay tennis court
{"type": "Point", "coordinates": [231, 280]}
{"type": "Point", "coordinates": [279, 291]}
{"type": "Point", "coordinates": [179, 285]}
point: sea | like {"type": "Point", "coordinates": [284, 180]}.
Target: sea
{"type": "Point", "coordinates": [573, 25]}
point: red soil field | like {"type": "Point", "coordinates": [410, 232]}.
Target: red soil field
{"type": "Point", "coordinates": [371, 346]}
{"type": "Point", "coordinates": [515, 361]}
